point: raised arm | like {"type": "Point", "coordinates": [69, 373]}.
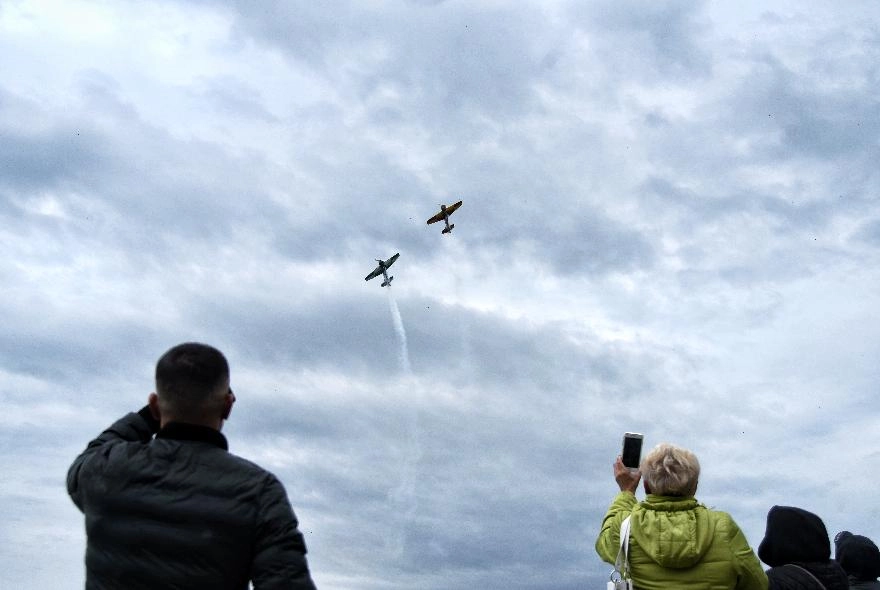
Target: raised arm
{"type": "Point", "coordinates": [133, 427]}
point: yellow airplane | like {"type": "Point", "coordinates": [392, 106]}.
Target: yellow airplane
{"type": "Point", "coordinates": [444, 214]}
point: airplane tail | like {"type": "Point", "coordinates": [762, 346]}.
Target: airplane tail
{"type": "Point", "coordinates": [388, 282]}
{"type": "Point", "coordinates": [448, 229]}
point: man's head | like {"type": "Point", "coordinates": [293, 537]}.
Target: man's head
{"type": "Point", "coordinates": [192, 385]}
{"type": "Point", "coordinates": [669, 470]}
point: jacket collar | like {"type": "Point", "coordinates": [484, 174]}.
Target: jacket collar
{"type": "Point", "coordinates": [669, 503]}
{"type": "Point", "coordinates": [193, 432]}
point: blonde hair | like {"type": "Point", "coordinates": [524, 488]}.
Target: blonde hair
{"type": "Point", "coordinates": [670, 471]}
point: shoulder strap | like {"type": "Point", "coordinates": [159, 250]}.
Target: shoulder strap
{"type": "Point", "coordinates": [621, 564]}
{"type": "Point", "coordinates": [809, 573]}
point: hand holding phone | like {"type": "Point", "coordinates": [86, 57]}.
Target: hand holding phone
{"type": "Point", "coordinates": [627, 478]}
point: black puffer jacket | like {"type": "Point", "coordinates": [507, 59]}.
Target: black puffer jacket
{"type": "Point", "coordinates": [180, 512]}
{"type": "Point", "coordinates": [790, 577]}
{"type": "Point", "coordinates": [796, 540]}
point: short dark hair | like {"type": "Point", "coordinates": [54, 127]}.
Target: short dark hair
{"type": "Point", "coordinates": [188, 376]}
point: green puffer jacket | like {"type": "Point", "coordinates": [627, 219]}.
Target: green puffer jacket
{"type": "Point", "coordinates": [679, 544]}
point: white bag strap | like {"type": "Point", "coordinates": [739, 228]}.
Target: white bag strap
{"type": "Point", "coordinates": [621, 564]}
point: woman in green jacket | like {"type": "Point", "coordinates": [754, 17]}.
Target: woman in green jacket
{"type": "Point", "coordinates": [675, 542]}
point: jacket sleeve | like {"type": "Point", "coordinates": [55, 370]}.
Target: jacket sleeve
{"type": "Point", "coordinates": [608, 543]}
{"type": "Point", "coordinates": [133, 427]}
{"type": "Point", "coordinates": [750, 574]}
{"type": "Point", "coordinates": [280, 550]}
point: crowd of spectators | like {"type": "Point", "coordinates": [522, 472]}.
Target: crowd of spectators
{"type": "Point", "coordinates": [676, 543]}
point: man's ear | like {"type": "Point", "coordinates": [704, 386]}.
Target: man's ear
{"type": "Point", "coordinates": [153, 402]}
{"type": "Point", "coordinates": [227, 405]}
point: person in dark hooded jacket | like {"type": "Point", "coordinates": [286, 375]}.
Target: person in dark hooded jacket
{"type": "Point", "coordinates": [178, 511]}
{"type": "Point", "coordinates": [859, 558]}
{"type": "Point", "coordinates": [798, 551]}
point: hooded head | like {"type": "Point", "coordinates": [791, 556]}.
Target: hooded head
{"type": "Point", "coordinates": [857, 555]}
{"type": "Point", "coordinates": [794, 535]}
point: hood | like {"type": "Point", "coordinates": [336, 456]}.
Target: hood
{"type": "Point", "coordinates": [857, 555]}
{"type": "Point", "coordinates": [794, 534]}
{"type": "Point", "coordinates": [674, 532]}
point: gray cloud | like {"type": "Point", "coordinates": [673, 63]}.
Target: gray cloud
{"type": "Point", "coordinates": [662, 40]}
{"type": "Point", "coordinates": [453, 57]}
{"type": "Point", "coordinates": [819, 115]}
{"type": "Point", "coordinates": [235, 98]}
{"type": "Point", "coordinates": [870, 232]}
{"type": "Point", "coordinates": [670, 226]}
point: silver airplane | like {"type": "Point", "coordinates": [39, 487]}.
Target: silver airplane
{"type": "Point", "coordinates": [382, 269]}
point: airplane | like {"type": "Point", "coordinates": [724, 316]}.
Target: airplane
{"type": "Point", "coordinates": [382, 269]}
{"type": "Point", "coordinates": [444, 214]}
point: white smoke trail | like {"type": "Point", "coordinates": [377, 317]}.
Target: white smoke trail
{"type": "Point", "coordinates": [401, 333]}
{"type": "Point", "coordinates": [466, 362]}
{"type": "Point", "coordinates": [403, 498]}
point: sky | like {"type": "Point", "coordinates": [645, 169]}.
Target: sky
{"type": "Point", "coordinates": [670, 225]}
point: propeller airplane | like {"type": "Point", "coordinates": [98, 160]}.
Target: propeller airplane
{"type": "Point", "coordinates": [444, 214]}
{"type": "Point", "coordinates": [382, 269]}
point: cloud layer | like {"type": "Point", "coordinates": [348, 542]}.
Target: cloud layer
{"type": "Point", "coordinates": [670, 225]}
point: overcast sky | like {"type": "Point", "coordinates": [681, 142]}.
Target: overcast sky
{"type": "Point", "coordinates": [670, 225]}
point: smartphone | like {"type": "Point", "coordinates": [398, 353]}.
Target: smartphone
{"type": "Point", "coordinates": [632, 449]}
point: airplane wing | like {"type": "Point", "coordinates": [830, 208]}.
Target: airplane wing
{"type": "Point", "coordinates": [449, 211]}
{"type": "Point", "coordinates": [391, 260]}
{"type": "Point", "coordinates": [374, 274]}
{"type": "Point", "coordinates": [436, 218]}
{"type": "Point", "coordinates": [452, 208]}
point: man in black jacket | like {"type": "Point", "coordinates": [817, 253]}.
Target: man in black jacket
{"type": "Point", "coordinates": [178, 510]}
